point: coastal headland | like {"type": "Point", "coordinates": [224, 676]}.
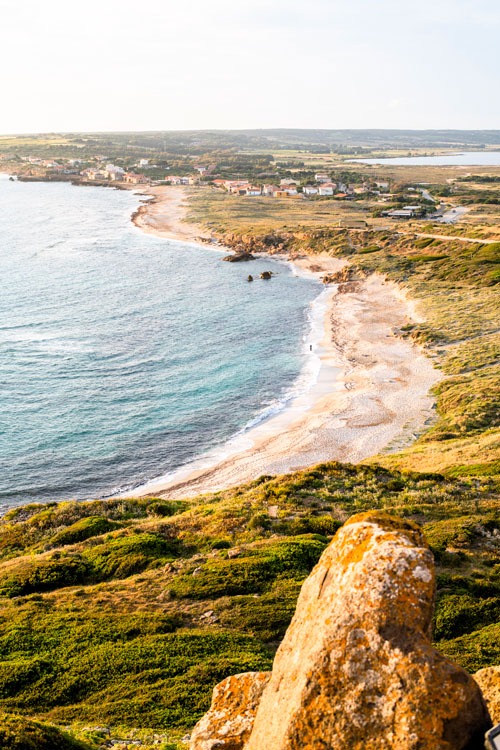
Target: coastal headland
{"type": "Point", "coordinates": [372, 387]}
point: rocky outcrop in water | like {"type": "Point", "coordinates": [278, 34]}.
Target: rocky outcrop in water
{"type": "Point", "coordinates": [238, 257]}
{"type": "Point", "coordinates": [356, 668]}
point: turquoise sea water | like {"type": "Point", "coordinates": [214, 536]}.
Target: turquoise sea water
{"type": "Point", "coordinates": [124, 356]}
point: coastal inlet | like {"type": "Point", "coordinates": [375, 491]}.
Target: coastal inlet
{"type": "Point", "coordinates": [125, 355]}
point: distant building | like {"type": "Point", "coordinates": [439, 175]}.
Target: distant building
{"type": "Point", "coordinates": [269, 189]}
{"type": "Point", "coordinates": [407, 212]}
{"type": "Point", "coordinates": [287, 183]}
{"type": "Point", "coordinates": [135, 179]}
{"type": "Point", "coordinates": [327, 188]}
{"type": "Point", "coordinates": [285, 192]}
{"type": "Point", "coordinates": [115, 174]}
{"type": "Point", "coordinates": [143, 162]}
{"type": "Point", "coordinates": [322, 178]}
{"type": "Point", "coordinates": [310, 190]}
{"type": "Point", "coordinates": [94, 174]}
{"type": "Point", "coordinates": [352, 224]}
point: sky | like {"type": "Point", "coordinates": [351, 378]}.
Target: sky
{"type": "Point", "coordinates": [107, 65]}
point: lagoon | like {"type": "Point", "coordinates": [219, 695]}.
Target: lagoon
{"type": "Point", "coordinates": [466, 158]}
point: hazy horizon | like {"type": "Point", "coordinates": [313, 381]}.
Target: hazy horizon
{"type": "Point", "coordinates": [220, 65]}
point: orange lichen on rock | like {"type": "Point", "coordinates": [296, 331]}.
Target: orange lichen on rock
{"type": "Point", "coordinates": [228, 723]}
{"type": "Point", "coordinates": [488, 680]}
{"type": "Point", "coordinates": [356, 668]}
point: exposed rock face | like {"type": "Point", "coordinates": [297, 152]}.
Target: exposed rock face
{"type": "Point", "coordinates": [356, 668]}
{"type": "Point", "coordinates": [238, 257]}
{"type": "Point", "coordinates": [488, 680]}
{"type": "Point", "coordinates": [228, 723]}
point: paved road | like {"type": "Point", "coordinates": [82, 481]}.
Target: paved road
{"type": "Point", "coordinates": [450, 237]}
{"type": "Point", "coordinates": [453, 215]}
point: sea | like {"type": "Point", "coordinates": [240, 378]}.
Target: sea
{"type": "Point", "coordinates": [124, 357]}
{"type": "Point", "coordinates": [465, 158]}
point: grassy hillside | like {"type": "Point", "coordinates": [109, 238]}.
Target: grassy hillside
{"type": "Point", "coordinates": [127, 612]}
{"type": "Point", "coordinates": [118, 617]}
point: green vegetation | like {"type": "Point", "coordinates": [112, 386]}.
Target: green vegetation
{"type": "Point", "coordinates": [125, 613]}
{"type": "Point", "coordinates": [17, 733]}
{"type": "Point", "coordinates": [170, 600]}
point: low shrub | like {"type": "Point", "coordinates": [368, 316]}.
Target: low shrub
{"type": "Point", "coordinates": [18, 733]}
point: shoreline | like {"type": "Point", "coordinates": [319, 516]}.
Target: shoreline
{"type": "Point", "coordinates": [371, 393]}
{"type": "Point", "coordinates": [162, 213]}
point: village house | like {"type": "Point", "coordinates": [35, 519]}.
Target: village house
{"type": "Point", "coordinates": [285, 192]}
{"type": "Point", "coordinates": [176, 180]}
{"type": "Point", "coordinates": [288, 183]}
{"type": "Point", "coordinates": [322, 178]}
{"type": "Point", "coordinates": [143, 162]}
{"type": "Point", "coordinates": [254, 190]}
{"type": "Point", "coordinates": [327, 188]}
{"type": "Point", "coordinates": [115, 174]}
{"type": "Point", "coordinates": [407, 212]}
{"type": "Point", "coordinates": [269, 189]}
{"type": "Point", "coordinates": [94, 174]}
{"type": "Point", "coordinates": [382, 184]}
{"type": "Point", "coordinates": [237, 187]}
{"type": "Point", "coordinates": [310, 190]}
{"type": "Point", "coordinates": [135, 179]}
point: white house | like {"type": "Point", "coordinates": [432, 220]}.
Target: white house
{"type": "Point", "coordinates": [327, 188]}
{"type": "Point", "coordinates": [322, 178]}
{"type": "Point", "coordinates": [269, 189]}
{"type": "Point", "coordinates": [310, 190]}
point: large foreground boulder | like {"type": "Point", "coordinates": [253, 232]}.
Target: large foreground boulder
{"type": "Point", "coordinates": [488, 680]}
{"type": "Point", "coordinates": [356, 668]}
{"type": "Point", "coordinates": [228, 723]}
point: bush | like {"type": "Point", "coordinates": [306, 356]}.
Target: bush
{"type": "Point", "coordinates": [83, 529]}
{"type": "Point", "coordinates": [46, 575]}
{"type": "Point", "coordinates": [127, 555]}
{"type": "Point", "coordinates": [461, 613]}
{"type": "Point", "coordinates": [252, 573]}
{"type": "Point", "coordinates": [17, 733]}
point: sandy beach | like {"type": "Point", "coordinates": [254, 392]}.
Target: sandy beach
{"type": "Point", "coordinates": [370, 392]}
{"type": "Point", "coordinates": [163, 214]}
